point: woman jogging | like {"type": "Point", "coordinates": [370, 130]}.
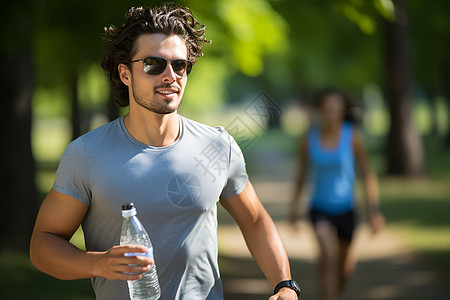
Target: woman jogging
{"type": "Point", "coordinates": [328, 155]}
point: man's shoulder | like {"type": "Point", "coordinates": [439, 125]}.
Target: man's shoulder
{"type": "Point", "coordinates": [106, 129]}
{"type": "Point", "coordinates": [217, 136]}
{"type": "Point", "coordinates": [96, 136]}
{"type": "Point", "coordinates": [196, 126]}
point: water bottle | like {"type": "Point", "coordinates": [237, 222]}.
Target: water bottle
{"type": "Point", "coordinates": [146, 288]}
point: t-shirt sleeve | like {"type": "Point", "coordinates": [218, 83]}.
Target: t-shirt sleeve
{"type": "Point", "coordinates": [237, 175]}
{"type": "Point", "coordinates": [72, 175]}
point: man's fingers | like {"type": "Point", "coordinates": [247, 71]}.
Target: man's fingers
{"type": "Point", "coordinates": [125, 276]}
{"type": "Point", "coordinates": [133, 269]}
{"type": "Point", "coordinates": [133, 253]}
{"type": "Point", "coordinates": [137, 260]}
{"type": "Point", "coordinates": [129, 249]}
{"type": "Point", "coordinates": [125, 262]}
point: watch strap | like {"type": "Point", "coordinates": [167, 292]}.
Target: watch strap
{"type": "Point", "coordinates": [288, 283]}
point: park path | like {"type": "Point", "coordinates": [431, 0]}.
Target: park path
{"type": "Point", "coordinates": [386, 268]}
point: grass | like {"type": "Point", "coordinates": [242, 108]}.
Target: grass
{"type": "Point", "coordinates": [20, 280]}
{"type": "Point", "coordinates": [419, 209]}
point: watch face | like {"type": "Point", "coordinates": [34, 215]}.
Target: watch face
{"type": "Point", "coordinates": [288, 283]}
{"type": "Point", "coordinates": [296, 286]}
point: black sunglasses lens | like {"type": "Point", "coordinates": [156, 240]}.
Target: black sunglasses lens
{"type": "Point", "coordinates": [181, 67]}
{"type": "Point", "coordinates": [154, 65]}
{"type": "Point", "coordinates": [157, 65]}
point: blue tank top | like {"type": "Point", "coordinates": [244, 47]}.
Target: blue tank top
{"type": "Point", "coordinates": [332, 172]}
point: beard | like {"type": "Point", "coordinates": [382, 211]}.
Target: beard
{"type": "Point", "coordinates": [163, 107]}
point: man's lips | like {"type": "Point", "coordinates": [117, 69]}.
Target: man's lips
{"type": "Point", "coordinates": [167, 92]}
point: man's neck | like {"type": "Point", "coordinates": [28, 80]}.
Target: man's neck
{"type": "Point", "coordinates": [156, 130]}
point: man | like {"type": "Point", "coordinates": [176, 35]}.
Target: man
{"type": "Point", "coordinates": [156, 159]}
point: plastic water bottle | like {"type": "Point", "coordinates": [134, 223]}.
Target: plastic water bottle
{"type": "Point", "coordinates": [146, 288]}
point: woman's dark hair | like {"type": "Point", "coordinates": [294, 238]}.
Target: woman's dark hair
{"type": "Point", "coordinates": [352, 112]}
{"type": "Point", "coordinates": [169, 19]}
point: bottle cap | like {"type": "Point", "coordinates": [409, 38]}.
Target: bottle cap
{"type": "Point", "coordinates": [127, 206]}
{"type": "Point", "coordinates": [128, 210]}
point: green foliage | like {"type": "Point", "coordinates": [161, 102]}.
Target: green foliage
{"type": "Point", "coordinates": [430, 43]}
{"type": "Point", "coordinates": [442, 118]}
{"type": "Point", "coordinates": [243, 34]}
{"type": "Point", "coordinates": [51, 102]}
{"type": "Point", "coordinates": [385, 8]}
{"type": "Point", "coordinates": [285, 45]}
{"type": "Point", "coordinates": [67, 44]}
{"type": "Point", "coordinates": [67, 36]}
{"type": "Point", "coordinates": [205, 90]}
{"type": "Point", "coordinates": [93, 88]}
{"type": "Point", "coordinates": [327, 48]}
{"type": "Point", "coordinates": [255, 30]}
{"type": "Point", "coordinates": [352, 10]}
{"type": "Point", "coordinates": [17, 23]}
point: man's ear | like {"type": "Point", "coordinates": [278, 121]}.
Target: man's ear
{"type": "Point", "coordinates": [124, 74]}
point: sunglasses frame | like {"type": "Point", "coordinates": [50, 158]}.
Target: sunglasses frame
{"type": "Point", "coordinates": [187, 70]}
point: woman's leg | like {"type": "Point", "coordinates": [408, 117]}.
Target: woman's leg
{"type": "Point", "coordinates": [346, 265]}
{"type": "Point", "coordinates": [346, 258]}
{"type": "Point", "coordinates": [328, 268]}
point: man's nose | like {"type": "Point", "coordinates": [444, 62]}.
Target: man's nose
{"type": "Point", "coordinates": [169, 74]}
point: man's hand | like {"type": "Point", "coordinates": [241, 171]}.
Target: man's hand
{"type": "Point", "coordinates": [113, 264]}
{"type": "Point", "coordinates": [285, 294]}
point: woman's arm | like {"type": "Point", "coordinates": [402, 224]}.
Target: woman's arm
{"type": "Point", "coordinates": [370, 181]}
{"type": "Point", "coordinates": [300, 182]}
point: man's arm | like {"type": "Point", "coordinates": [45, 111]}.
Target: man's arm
{"type": "Point", "coordinates": [52, 253]}
{"type": "Point", "coordinates": [262, 238]}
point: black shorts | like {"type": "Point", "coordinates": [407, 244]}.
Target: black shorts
{"type": "Point", "coordinates": [344, 224]}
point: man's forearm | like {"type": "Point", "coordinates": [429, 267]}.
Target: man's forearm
{"type": "Point", "coordinates": [267, 249]}
{"type": "Point", "coordinates": [57, 257]}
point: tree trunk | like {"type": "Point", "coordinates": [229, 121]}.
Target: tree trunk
{"type": "Point", "coordinates": [19, 201]}
{"type": "Point", "coordinates": [112, 107]}
{"type": "Point", "coordinates": [432, 102]}
{"type": "Point", "coordinates": [447, 99]}
{"type": "Point", "coordinates": [76, 116]}
{"type": "Point", "coordinates": [404, 148]}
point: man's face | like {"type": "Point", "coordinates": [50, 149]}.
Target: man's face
{"type": "Point", "coordinates": [160, 93]}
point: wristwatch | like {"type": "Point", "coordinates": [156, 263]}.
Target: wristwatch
{"type": "Point", "coordinates": [292, 284]}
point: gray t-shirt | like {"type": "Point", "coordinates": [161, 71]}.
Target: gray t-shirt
{"type": "Point", "coordinates": [175, 190]}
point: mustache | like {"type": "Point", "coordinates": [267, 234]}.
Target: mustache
{"type": "Point", "coordinates": [166, 86]}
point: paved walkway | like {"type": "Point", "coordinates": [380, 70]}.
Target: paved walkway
{"type": "Point", "coordinates": [386, 268]}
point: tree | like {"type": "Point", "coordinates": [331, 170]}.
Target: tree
{"type": "Point", "coordinates": [66, 45]}
{"type": "Point", "coordinates": [329, 49]}
{"type": "Point", "coordinates": [430, 29]}
{"type": "Point", "coordinates": [447, 97]}
{"type": "Point", "coordinates": [18, 188]}
{"type": "Point", "coordinates": [404, 146]}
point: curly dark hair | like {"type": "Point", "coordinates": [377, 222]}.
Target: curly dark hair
{"type": "Point", "coordinates": [169, 19]}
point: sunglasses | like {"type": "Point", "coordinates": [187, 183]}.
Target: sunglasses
{"type": "Point", "coordinates": [157, 65]}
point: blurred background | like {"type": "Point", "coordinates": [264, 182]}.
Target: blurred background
{"type": "Point", "coordinates": [392, 56]}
